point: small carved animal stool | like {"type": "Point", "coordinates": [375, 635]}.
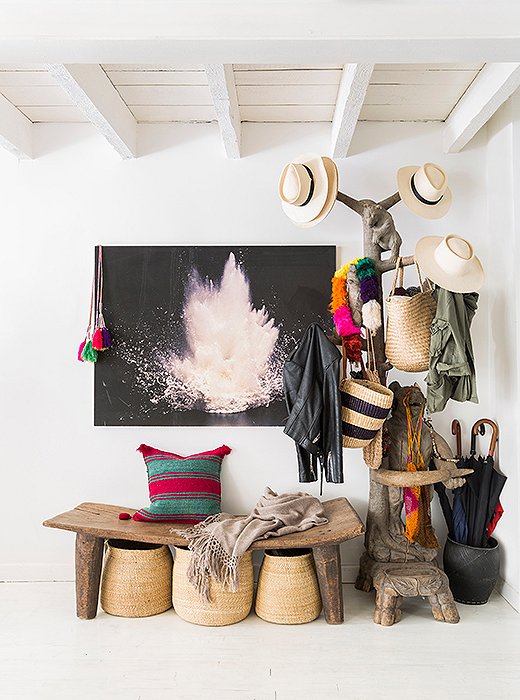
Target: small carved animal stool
{"type": "Point", "coordinates": [395, 581]}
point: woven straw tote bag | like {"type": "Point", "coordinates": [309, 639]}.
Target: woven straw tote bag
{"type": "Point", "coordinates": [137, 579]}
{"type": "Point", "coordinates": [365, 404]}
{"type": "Point", "coordinates": [288, 592]}
{"type": "Point", "coordinates": [408, 331]}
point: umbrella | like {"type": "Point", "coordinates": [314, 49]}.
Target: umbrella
{"type": "Point", "coordinates": [454, 518]}
{"type": "Point", "coordinates": [481, 491]}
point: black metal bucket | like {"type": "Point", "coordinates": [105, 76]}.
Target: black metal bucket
{"type": "Point", "coordinates": [472, 571]}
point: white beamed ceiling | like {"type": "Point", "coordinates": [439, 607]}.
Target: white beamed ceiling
{"type": "Point", "coordinates": [266, 93]}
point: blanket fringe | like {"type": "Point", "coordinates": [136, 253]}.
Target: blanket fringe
{"type": "Point", "coordinates": [209, 560]}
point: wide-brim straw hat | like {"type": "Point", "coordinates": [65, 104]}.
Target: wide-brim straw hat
{"type": "Point", "coordinates": [308, 188]}
{"type": "Point", "coordinates": [450, 262]}
{"type": "Point", "coordinates": [424, 189]}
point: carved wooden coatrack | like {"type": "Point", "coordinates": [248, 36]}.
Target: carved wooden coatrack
{"type": "Point", "coordinates": [390, 564]}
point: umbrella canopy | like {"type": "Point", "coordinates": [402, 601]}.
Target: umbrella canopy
{"type": "Point", "coordinates": [476, 507]}
{"type": "Point", "coordinates": [460, 524]}
{"type": "Point", "coordinates": [481, 492]}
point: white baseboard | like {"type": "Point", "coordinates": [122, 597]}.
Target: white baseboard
{"type": "Point", "coordinates": [36, 572]}
{"type": "Point", "coordinates": [64, 572]}
{"type": "Point", "coordinates": [509, 593]}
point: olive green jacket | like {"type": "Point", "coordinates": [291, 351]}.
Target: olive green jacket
{"type": "Point", "coordinates": [452, 366]}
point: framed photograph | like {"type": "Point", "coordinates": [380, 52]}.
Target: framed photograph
{"type": "Point", "coordinates": [201, 333]}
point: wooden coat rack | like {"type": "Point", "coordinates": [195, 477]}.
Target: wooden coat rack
{"type": "Point", "coordinates": [390, 564]}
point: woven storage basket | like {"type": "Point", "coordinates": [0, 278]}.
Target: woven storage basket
{"type": "Point", "coordinates": [408, 331]}
{"type": "Point", "coordinates": [137, 579]}
{"type": "Point", "coordinates": [223, 607]}
{"type": "Point", "coordinates": [287, 591]}
{"type": "Point", "coordinates": [364, 407]}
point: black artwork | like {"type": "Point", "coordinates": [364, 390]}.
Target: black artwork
{"type": "Point", "coordinates": [201, 333]}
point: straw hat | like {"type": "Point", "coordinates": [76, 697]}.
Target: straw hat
{"type": "Point", "coordinates": [308, 187]}
{"type": "Point", "coordinates": [450, 262]}
{"type": "Point", "coordinates": [424, 190]}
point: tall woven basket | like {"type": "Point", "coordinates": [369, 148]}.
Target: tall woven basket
{"type": "Point", "coordinates": [408, 331]}
{"type": "Point", "coordinates": [136, 580]}
{"type": "Point", "coordinates": [223, 607]}
{"type": "Point", "coordinates": [364, 407]}
{"type": "Point", "coordinates": [288, 592]}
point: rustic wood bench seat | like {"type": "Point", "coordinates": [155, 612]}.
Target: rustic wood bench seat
{"type": "Point", "coordinates": [93, 523]}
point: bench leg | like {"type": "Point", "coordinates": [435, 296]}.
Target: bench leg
{"type": "Point", "coordinates": [89, 558]}
{"type": "Point", "coordinates": [328, 567]}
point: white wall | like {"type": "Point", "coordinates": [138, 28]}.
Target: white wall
{"type": "Point", "coordinates": [182, 190]}
{"type": "Point", "coordinates": [503, 184]}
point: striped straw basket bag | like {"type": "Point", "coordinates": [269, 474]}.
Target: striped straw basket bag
{"type": "Point", "coordinates": [365, 405]}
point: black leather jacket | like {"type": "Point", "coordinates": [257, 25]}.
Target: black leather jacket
{"type": "Point", "coordinates": [311, 385]}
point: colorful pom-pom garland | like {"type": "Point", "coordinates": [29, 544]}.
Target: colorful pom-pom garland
{"type": "Point", "coordinates": [97, 337]}
{"type": "Point", "coordinates": [369, 292]}
{"type": "Point", "coordinates": [371, 309]}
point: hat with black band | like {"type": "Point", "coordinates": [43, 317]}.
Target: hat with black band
{"type": "Point", "coordinates": [424, 190]}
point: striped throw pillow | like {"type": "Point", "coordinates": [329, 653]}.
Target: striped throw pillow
{"type": "Point", "coordinates": [182, 489]}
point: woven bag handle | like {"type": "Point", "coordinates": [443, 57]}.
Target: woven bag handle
{"type": "Point", "coordinates": [419, 276]}
{"type": "Point", "coordinates": [398, 273]}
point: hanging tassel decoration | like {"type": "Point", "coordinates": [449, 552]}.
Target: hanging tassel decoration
{"type": "Point", "coordinates": [80, 350]}
{"type": "Point", "coordinates": [369, 293]}
{"type": "Point", "coordinates": [97, 340]}
{"type": "Point", "coordinates": [372, 316]}
{"type": "Point", "coordinates": [339, 294]}
{"type": "Point", "coordinates": [101, 340]}
{"type": "Point", "coordinates": [86, 353]}
{"type": "Point", "coordinates": [352, 348]}
{"type": "Point", "coordinates": [107, 338]}
{"type": "Point", "coordinates": [344, 323]}
{"type": "Point", "coordinates": [89, 354]}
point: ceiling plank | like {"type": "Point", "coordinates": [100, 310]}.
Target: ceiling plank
{"type": "Point", "coordinates": [223, 90]}
{"type": "Point", "coordinates": [351, 95]}
{"type": "Point", "coordinates": [495, 83]}
{"type": "Point", "coordinates": [15, 130]}
{"type": "Point", "coordinates": [92, 92]}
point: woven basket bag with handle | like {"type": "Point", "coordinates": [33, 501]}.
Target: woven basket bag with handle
{"type": "Point", "coordinates": [408, 331]}
{"type": "Point", "coordinates": [365, 404]}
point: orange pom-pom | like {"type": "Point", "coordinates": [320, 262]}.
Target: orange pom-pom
{"type": "Point", "coordinates": [339, 294]}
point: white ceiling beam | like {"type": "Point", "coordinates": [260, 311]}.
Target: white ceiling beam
{"type": "Point", "coordinates": [221, 81]}
{"type": "Point", "coordinates": [94, 94]}
{"type": "Point", "coordinates": [15, 130]}
{"type": "Point", "coordinates": [401, 31]}
{"type": "Point", "coordinates": [349, 101]}
{"type": "Point", "coordinates": [495, 83]}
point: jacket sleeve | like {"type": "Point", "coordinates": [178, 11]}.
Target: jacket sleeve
{"type": "Point", "coordinates": [331, 425]}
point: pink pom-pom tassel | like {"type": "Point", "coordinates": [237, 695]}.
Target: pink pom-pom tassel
{"type": "Point", "coordinates": [97, 340]}
{"type": "Point", "coordinates": [80, 350]}
{"type": "Point", "coordinates": [344, 323]}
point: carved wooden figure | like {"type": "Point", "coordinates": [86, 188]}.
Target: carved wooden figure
{"type": "Point", "coordinates": [391, 564]}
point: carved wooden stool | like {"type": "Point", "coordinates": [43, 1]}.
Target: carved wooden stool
{"type": "Point", "coordinates": [395, 581]}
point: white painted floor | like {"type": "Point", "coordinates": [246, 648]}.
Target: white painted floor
{"type": "Point", "coordinates": [46, 653]}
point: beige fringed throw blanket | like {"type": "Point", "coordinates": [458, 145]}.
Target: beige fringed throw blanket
{"type": "Point", "coordinates": [218, 543]}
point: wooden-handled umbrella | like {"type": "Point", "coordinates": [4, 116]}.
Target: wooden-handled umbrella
{"type": "Point", "coordinates": [480, 495]}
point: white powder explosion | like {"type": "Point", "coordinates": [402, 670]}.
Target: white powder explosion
{"type": "Point", "coordinates": [231, 362]}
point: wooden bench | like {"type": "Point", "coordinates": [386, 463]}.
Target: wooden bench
{"type": "Point", "coordinates": [93, 523]}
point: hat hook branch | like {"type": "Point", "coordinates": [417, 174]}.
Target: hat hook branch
{"type": "Point", "coordinates": [455, 430]}
{"type": "Point", "coordinates": [477, 427]}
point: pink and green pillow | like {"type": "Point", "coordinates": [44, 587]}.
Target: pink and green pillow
{"type": "Point", "coordinates": [182, 489]}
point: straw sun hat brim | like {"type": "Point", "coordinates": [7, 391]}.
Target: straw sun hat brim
{"type": "Point", "coordinates": [306, 214]}
{"type": "Point", "coordinates": [471, 281]}
{"type": "Point", "coordinates": [427, 211]}
{"type": "Point", "coordinates": [332, 173]}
